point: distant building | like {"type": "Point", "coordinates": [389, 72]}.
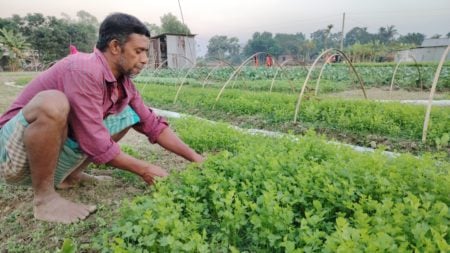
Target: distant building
{"type": "Point", "coordinates": [290, 60]}
{"type": "Point", "coordinates": [430, 50]}
{"type": "Point", "coordinates": [170, 50]}
{"type": "Point", "coordinates": [286, 57]}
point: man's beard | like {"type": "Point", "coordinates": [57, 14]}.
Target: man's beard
{"type": "Point", "coordinates": [126, 72]}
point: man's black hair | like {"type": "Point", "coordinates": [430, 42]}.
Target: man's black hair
{"type": "Point", "coordinates": [119, 26]}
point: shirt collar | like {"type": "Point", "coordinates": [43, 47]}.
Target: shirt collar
{"type": "Point", "coordinates": [108, 75]}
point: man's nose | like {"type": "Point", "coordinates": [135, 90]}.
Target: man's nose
{"type": "Point", "coordinates": [144, 58]}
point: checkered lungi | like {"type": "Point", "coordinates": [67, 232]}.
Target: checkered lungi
{"type": "Point", "coordinates": [14, 167]}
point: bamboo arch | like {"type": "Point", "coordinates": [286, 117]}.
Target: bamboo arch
{"type": "Point", "coordinates": [222, 63]}
{"type": "Point", "coordinates": [433, 89]}
{"type": "Point", "coordinates": [321, 72]}
{"type": "Point", "coordinates": [184, 79]}
{"type": "Point", "coordinates": [276, 74]}
{"type": "Point", "coordinates": [162, 64]}
{"type": "Point", "coordinates": [236, 72]}
{"type": "Point", "coordinates": [395, 72]}
{"type": "Point", "coordinates": [299, 101]}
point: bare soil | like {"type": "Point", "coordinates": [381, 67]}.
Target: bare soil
{"type": "Point", "coordinates": [384, 94]}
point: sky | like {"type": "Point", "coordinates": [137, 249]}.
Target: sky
{"type": "Point", "coordinates": [241, 18]}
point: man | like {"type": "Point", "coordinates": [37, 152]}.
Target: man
{"type": "Point", "coordinates": [269, 60]}
{"type": "Point", "coordinates": [74, 113]}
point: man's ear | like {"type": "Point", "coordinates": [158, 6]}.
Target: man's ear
{"type": "Point", "coordinates": [114, 47]}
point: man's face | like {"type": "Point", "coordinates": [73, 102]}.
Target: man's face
{"type": "Point", "coordinates": [134, 55]}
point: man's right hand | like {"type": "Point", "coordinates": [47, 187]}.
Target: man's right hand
{"type": "Point", "coordinates": [142, 168]}
{"type": "Point", "coordinates": [153, 171]}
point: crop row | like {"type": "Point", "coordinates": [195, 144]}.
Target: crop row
{"type": "Point", "coordinates": [407, 76]}
{"type": "Point", "coordinates": [260, 194]}
{"type": "Point", "coordinates": [275, 111]}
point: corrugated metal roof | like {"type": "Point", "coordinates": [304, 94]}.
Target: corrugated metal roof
{"type": "Point", "coordinates": [435, 42]}
{"type": "Point", "coordinates": [174, 34]}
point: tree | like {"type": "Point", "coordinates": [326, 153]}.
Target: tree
{"type": "Point", "coordinates": [153, 28]}
{"type": "Point", "coordinates": [290, 43]}
{"type": "Point", "coordinates": [222, 47]}
{"type": "Point", "coordinates": [308, 47]}
{"type": "Point", "coordinates": [171, 24]}
{"type": "Point", "coordinates": [262, 42]}
{"type": "Point", "coordinates": [386, 34]}
{"type": "Point", "coordinates": [319, 38]}
{"type": "Point", "coordinates": [9, 24]}
{"type": "Point", "coordinates": [16, 46]}
{"type": "Point", "coordinates": [412, 38]}
{"type": "Point", "coordinates": [360, 52]}
{"type": "Point", "coordinates": [448, 35]}
{"type": "Point", "coordinates": [52, 38]}
{"type": "Point", "coordinates": [323, 39]}
{"type": "Point", "coordinates": [32, 22]}
{"type": "Point", "coordinates": [87, 18]}
{"type": "Point", "coordinates": [357, 35]}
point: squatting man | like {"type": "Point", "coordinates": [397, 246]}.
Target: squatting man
{"type": "Point", "coordinates": [74, 113]}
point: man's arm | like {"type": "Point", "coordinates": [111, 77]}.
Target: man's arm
{"type": "Point", "coordinates": [170, 141]}
{"type": "Point", "coordinates": [156, 128]}
{"type": "Point", "coordinates": [142, 168]}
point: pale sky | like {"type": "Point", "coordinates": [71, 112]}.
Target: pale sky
{"type": "Point", "coordinates": [241, 18]}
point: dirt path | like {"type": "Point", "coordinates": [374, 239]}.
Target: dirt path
{"type": "Point", "coordinates": [383, 93]}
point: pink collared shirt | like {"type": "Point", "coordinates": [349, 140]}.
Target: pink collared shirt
{"type": "Point", "coordinates": [87, 82]}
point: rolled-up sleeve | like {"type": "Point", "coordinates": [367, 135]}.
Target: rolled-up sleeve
{"type": "Point", "coordinates": [150, 124]}
{"type": "Point", "coordinates": [85, 94]}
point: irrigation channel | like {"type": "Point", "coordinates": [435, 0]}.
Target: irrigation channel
{"type": "Point", "coordinates": [420, 102]}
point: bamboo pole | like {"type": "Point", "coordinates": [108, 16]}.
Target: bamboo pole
{"type": "Point", "coordinates": [316, 90]}
{"type": "Point", "coordinates": [299, 100]}
{"type": "Point", "coordinates": [433, 89]}
{"type": "Point", "coordinates": [222, 63]}
{"type": "Point", "coordinates": [209, 74]}
{"type": "Point", "coordinates": [181, 84]}
{"type": "Point", "coordinates": [395, 72]}
{"type": "Point", "coordinates": [235, 72]}
{"type": "Point", "coordinates": [281, 67]}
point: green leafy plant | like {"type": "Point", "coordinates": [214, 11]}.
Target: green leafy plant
{"type": "Point", "coordinates": [261, 194]}
{"type": "Point", "coordinates": [443, 141]}
{"type": "Point", "coordinates": [68, 247]}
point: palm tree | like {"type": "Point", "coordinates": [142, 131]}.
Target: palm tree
{"type": "Point", "coordinates": [327, 34]}
{"type": "Point", "coordinates": [15, 45]}
{"type": "Point", "coordinates": [387, 34]}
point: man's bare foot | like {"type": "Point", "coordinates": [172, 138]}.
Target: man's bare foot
{"type": "Point", "coordinates": [82, 178]}
{"type": "Point", "coordinates": [57, 209]}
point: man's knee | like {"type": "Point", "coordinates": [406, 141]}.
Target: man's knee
{"type": "Point", "coordinates": [52, 104]}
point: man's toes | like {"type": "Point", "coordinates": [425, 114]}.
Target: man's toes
{"type": "Point", "coordinates": [104, 178]}
{"type": "Point", "coordinates": [74, 220]}
{"type": "Point", "coordinates": [91, 208]}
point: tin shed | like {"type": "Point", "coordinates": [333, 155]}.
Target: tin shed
{"type": "Point", "coordinates": [430, 50]}
{"type": "Point", "coordinates": [171, 50]}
